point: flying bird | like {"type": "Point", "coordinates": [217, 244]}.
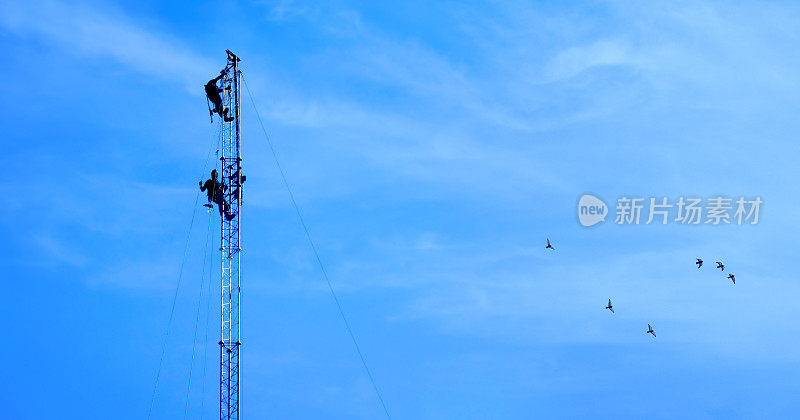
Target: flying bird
{"type": "Point", "coordinates": [609, 307]}
{"type": "Point", "coordinates": [650, 330]}
{"type": "Point", "coordinates": [549, 246]}
{"type": "Point", "coordinates": [733, 279]}
{"type": "Point", "coordinates": [720, 266]}
{"type": "Point", "coordinates": [699, 263]}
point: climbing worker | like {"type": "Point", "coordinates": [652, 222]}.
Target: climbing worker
{"type": "Point", "coordinates": [212, 93]}
{"type": "Point", "coordinates": [215, 191]}
{"type": "Point", "coordinates": [237, 180]}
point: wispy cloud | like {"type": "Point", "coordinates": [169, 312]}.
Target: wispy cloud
{"type": "Point", "coordinates": [552, 301]}
{"type": "Point", "coordinates": [286, 9]}
{"type": "Point", "coordinates": [58, 252]}
{"type": "Point", "coordinates": [107, 33]}
{"type": "Point", "coordinates": [574, 60]}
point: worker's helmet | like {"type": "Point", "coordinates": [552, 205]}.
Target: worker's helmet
{"type": "Point", "coordinates": [214, 173]}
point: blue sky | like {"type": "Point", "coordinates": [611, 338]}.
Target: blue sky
{"type": "Point", "coordinates": [432, 149]}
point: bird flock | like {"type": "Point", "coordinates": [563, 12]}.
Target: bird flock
{"type": "Point", "coordinates": [721, 267]}
{"type": "Point", "coordinates": [699, 263]}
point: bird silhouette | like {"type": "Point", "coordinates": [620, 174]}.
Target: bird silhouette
{"type": "Point", "coordinates": [699, 263]}
{"type": "Point", "coordinates": [549, 246]}
{"type": "Point", "coordinates": [733, 279]}
{"type": "Point", "coordinates": [609, 307]}
{"type": "Point", "coordinates": [650, 330]}
{"type": "Point", "coordinates": [720, 266]}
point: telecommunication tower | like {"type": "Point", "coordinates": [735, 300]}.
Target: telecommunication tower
{"type": "Point", "coordinates": [230, 244]}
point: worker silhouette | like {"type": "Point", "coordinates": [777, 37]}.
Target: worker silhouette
{"type": "Point", "coordinates": [237, 180]}
{"type": "Point", "coordinates": [212, 93]}
{"type": "Point", "coordinates": [215, 191]}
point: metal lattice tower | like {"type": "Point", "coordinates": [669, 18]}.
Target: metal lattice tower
{"type": "Point", "coordinates": [230, 249]}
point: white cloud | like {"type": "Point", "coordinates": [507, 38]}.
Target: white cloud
{"type": "Point", "coordinates": [56, 251]}
{"type": "Point", "coordinates": [574, 60]}
{"type": "Point", "coordinates": [106, 33]}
